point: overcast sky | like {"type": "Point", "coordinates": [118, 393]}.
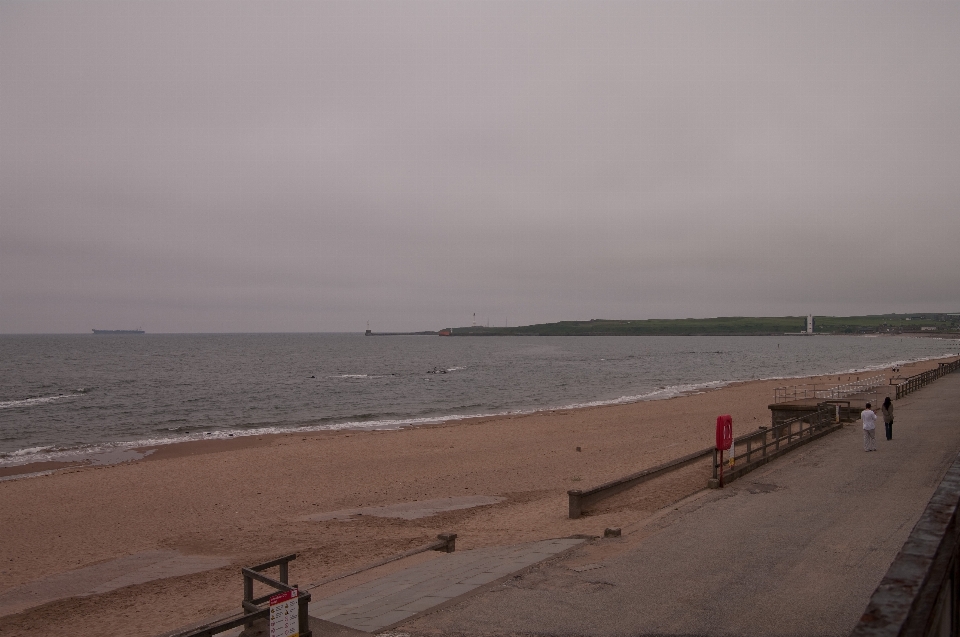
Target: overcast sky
{"type": "Point", "coordinates": [222, 167]}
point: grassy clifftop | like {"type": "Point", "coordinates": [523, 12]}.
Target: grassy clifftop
{"type": "Point", "coordinates": [731, 325]}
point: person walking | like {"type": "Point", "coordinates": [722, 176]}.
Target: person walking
{"type": "Point", "coordinates": [887, 410]}
{"type": "Point", "coordinates": [869, 419]}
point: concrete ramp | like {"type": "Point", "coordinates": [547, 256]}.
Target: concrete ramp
{"type": "Point", "coordinates": [107, 576]}
{"type": "Point", "coordinates": [400, 596]}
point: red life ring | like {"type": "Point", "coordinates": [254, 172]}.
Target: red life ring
{"type": "Point", "coordinates": [724, 432]}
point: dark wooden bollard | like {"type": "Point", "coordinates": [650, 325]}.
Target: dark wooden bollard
{"type": "Point", "coordinates": [575, 504]}
{"type": "Point", "coordinates": [451, 542]}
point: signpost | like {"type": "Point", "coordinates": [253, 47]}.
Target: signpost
{"type": "Point", "coordinates": [724, 440]}
{"type": "Point", "coordinates": [285, 614]}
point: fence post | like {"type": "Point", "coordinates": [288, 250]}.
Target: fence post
{"type": "Point", "coordinates": [303, 617]}
{"type": "Point", "coordinates": [451, 542]}
{"type": "Point", "coordinates": [574, 505]}
{"type": "Point", "coordinates": [247, 595]}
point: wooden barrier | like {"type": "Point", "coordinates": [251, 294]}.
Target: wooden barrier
{"type": "Point", "coordinates": [760, 447]}
{"type": "Point", "coordinates": [923, 379]}
{"type": "Point", "coordinates": [580, 500]}
{"type": "Point", "coordinates": [251, 611]}
{"type": "Point", "coordinates": [251, 605]}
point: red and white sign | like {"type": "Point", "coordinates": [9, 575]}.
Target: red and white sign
{"type": "Point", "coordinates": [285, 614]}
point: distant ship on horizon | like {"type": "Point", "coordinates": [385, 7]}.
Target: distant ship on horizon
{"type": "Point", "coordinates": [136, 331]}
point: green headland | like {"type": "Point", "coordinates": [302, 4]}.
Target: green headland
{"type": "Point", "coordinates": [921, 323]}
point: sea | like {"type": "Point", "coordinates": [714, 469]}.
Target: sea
{"type": "Point", "coordinates": [69, 397]}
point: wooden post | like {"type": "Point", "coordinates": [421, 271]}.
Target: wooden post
{"type": "Point", "coordinates": [303, 616]}
{"type": "Point", "coordinates": [450, 539]}
{"type": "Point", "coordinates": [574, 503]}
{"type": "Point", "coordinates": [247, 595]}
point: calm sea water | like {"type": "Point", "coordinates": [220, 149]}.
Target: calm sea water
{"type": "Point", "coordinates": [61, 396]}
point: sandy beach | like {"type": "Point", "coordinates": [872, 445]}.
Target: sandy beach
{"type": "Point", "coordinates": [249, 499]}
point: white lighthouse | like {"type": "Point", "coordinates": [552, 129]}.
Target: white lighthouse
{"type": "Point", "coordinates": [809, 323]}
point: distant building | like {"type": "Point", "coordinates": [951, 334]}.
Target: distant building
{"type": "Point", "coordinates": [809, 323]}
{"type": "Point", "coordinates": [928, 329]}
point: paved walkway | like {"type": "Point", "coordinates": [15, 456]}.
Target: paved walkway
{"type": "Point", "coordinates": [795, 548]}
{"type": "Point", "coordinates": [397, 597]}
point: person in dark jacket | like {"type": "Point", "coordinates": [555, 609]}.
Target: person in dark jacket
{"type": "Point", "coordinates": [887, 410]}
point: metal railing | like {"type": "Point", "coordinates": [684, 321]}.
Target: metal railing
{"type": "Point", "coordinates": [758, 446]}
{"type": "Point", "coordinates": [252, 610]}
{"type": "Point", "coordinates": [801, 392]}
{"type": "Point", "coordinates": [922, 379]}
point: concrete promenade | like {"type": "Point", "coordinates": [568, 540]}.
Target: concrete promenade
{"type": "Point", "coordinates": [794, 548]}
{"type": "Point", "coordinates": [389, 600]}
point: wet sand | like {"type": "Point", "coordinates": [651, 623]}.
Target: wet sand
{"type": "Point", "coordinates": [249, 499]}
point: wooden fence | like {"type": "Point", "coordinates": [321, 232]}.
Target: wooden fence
{"type": "Point", "coordinates": [759, 447]}
{"type": "Point", "coordinates": [252, 609]}
{"type": "Point", "coordinates": [579, 500]}
{"type": "Point", "coordinates": [922, 379]}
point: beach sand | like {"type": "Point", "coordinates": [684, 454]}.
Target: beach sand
{"type": "Point", "coordinates": [248, 499]}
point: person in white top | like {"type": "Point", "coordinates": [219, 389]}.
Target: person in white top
{"type": "Point", "coordinates": [869, 419]}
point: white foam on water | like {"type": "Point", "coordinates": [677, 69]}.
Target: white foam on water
{"type": "Point", "coordinates": [112, 452]}
{"type": "Point", "coordinates": [105, 453]}
{"type": "Point", "coordinates": [98, 454]}
{"type": "Point", "coordinates": [32, 402]}
{"type": "Point", "coordinates": [28, 451]}
{"type": "Point", "coordinates": [860, 370]}
{"type": "Point", "coordinates": [662, 393]}
{"type": "Point", "coordinates": [21, 476]}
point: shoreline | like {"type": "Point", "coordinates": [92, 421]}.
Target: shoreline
{"type": "Point", "coordinates": [125, 452]}
{"type": "Point", "coordinates": [244, 500]}
{"type": "Point", "coordinates": [99, 452]}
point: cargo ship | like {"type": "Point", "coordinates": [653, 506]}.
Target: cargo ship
{"type": "Point", "coordinates": [138, 331]}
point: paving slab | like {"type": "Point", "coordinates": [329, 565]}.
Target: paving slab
{"type": "Point", "coordinates": [793, 549]}
{"type": "Point", "coordinates": [106, 576]}
{"type": "Point", "coordinates": [399, 596]}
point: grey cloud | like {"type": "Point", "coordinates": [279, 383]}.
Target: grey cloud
{"type": "Point", "coordinates": [310, 166]}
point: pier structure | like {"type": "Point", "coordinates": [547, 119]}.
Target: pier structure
{"type": "Point", "coordinates": [849, 398]}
